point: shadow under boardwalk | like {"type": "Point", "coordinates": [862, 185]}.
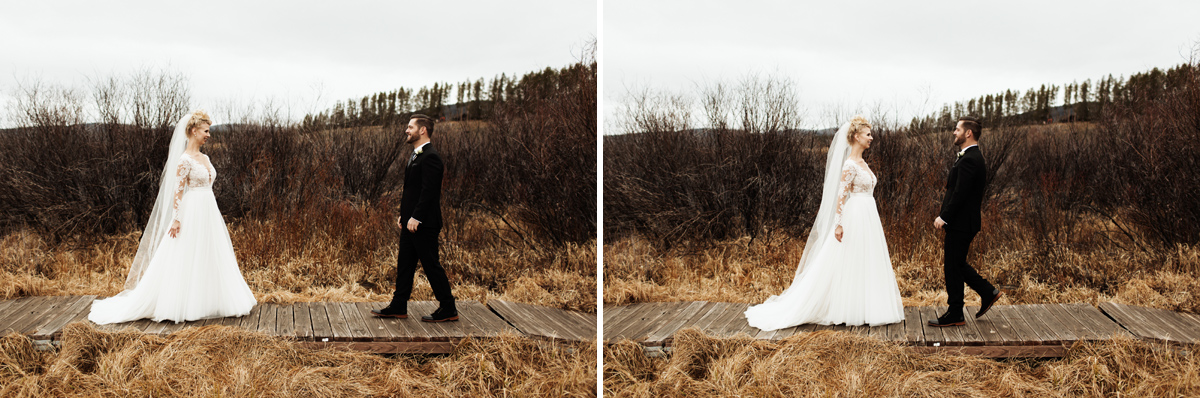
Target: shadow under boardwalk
{"type": "Point", "coordinates": [1028, 330]}
{"type": "Point", "coordinates": [320, 325]}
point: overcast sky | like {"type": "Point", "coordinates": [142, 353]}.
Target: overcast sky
{"type": "Point", "coordinates": [248, 51]}
{"type": "Point", "coordinates": [899, 53]}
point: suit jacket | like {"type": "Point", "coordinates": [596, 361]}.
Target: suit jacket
{"type": "Point", "coordinates": [964, 192]}
{"type": "Point", "coordinates": [422, 197]}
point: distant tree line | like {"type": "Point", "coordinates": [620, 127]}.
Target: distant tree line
{"type": "Point", "coordinates": [1081, 101]}
{"type": "Point", "coordinates": [472, 99]}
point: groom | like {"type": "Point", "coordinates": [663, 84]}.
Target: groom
{"type": "Point", "coordinates": [420, 224]}
{"type": "Point", "coordinates": [960, 219]}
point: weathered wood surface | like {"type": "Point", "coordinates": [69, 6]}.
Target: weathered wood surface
{"type": "Point", "coordinates": [336, 325]}
{"type": "Point", "coordinates": [1027, 330]}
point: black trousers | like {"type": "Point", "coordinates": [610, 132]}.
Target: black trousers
{"type": "Point", "coordinates": [420, 246]}
{"type": "Point", "coordinates": [956, 245]}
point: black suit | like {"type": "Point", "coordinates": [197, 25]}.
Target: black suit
{"type": "Point", "coordinates": [961, 212]}
{"type": "Point", "coordinates": [422, 201]}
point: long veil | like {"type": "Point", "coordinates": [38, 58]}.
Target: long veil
{"type": "Point", "coordinates": [822, 226]}
{"type": "Point", "coordinates": [164, 206]}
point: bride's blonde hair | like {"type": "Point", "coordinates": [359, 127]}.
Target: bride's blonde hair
{"type": "Point", "coordinates": [857, 123]}
{"type": "Point", "coordinates": [198, 117]}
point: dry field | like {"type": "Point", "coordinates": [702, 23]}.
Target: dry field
{"type": "Point", "coordinates": [830, 364]}
{"type": "Point", "coordinates": [228, 362]}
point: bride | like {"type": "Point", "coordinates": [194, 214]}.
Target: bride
{"type": "Point", "coordinates": [847, 279]}
{"type": "Point", "coordinates": [184, 268]}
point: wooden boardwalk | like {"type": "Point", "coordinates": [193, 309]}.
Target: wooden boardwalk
{"type": "Point", "coordinates": [339, 325]}
{"type": "Point", "coordinates": [1029, 330]}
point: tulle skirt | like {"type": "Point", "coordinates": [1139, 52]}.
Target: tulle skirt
{"type": "Point", "coordinates": [192, 276]}
{"type": "Point", "coordinates": [850, 282]}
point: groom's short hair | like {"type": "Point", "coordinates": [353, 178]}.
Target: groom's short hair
{"type": "Point", "coordinates": [972, 123]}
{"type": "Point", "coordinates": [423, 121]}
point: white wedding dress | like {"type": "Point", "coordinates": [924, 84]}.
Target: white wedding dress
{"type": "Point", "coordinates": [850, 281]}
{"type": "Point", "coordinates": [191, 276]}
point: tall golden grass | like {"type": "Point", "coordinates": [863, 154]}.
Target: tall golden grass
{"type": "Point", "coordinates": [833, 364]}
{"type": "Point", "coordinates": [284, 269]}
{"type": "Point", "coordinates": [219, 361]}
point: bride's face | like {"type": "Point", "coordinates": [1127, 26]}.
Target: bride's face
{"type": "Point", "coordinates": [864, 138]}
{"type": "Point", "coordinates": [200, 133]}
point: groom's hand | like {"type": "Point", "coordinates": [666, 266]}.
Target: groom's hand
{"type": "Point", "coordinates": [938, 223]}
{"type": "Point", "coordinates": [412, 224]}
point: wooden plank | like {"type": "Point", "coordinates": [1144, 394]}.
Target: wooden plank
{"type": "Point", "coordinates": [488, 322]}
{"type": "Point", "coordinates": [51, 322]}
{"type": "Point", "coordinates": [952, 335]}
{"type": "Point", "coordinates": [725, 312]}
{"type": "Point", "coordinates": [654, 320]}
{"type": "Point", "coordinates": [438, 331]}
{"type": "Point", "coordinates": [302, 323]}
{"type": "Point", "coordinates": [375, 325]}
{"type": "Point", "coordinates": [914, 330]}
{"type": "Point", "coordinates": [29, 309]}
{"type": "Point", "coordinates": [584, 326]}
{"type": "Point", "coordinates": [991, 351]}
{"type": "Point", "coordinates": [474, 324]}
{"type": "Point", "coordinates": [636, 320]}
{"type": "Point", "coordinates": [285, 318]}
{"type": "Point", "coordinates": [932, 335]}
{"type": "Point", "coordinates": [989, 332]}
{"type": "Point", "coordinates": [564, 327]}
{"type": "Point", "coordinates": [337, 322]}
{"type": "Point", "coordinates": [1139, 326]}
{"type": "Point", "coordinates": [623, 319]}
{"type": "Point", "coordinates": [1063, 334]}
{"type": "Point", "coordinates": [54, 307]}
{"type": "Point", "coordinates": [79, 317]}
{"type": "Point", "coordinates": [1079, 332]}
{"type": "Point", "coordinates": [735, 323]}
{"type": "Point", "coordinates": [356, 322]}
{"type": "Point", "coordinates": [895, 331]}
{"type": "Point", "coordinates": [4, 304]}
{"type": "Point", "coordinates": [1177, 322]}
{"type": "Point", "coordinates": [612, 311]}
{"type": "Point", "coordinates": [321, 326]}
{"type": "Point", "coordinates": [1039, 330]}
{"type": "Point", "coordinates": [1021, 334]}
{"type": "Point", "coordinates": [707, 313]}
{"type": "Point", "coordinates": [971, 333]}
{"type": "Point", "coordinates": [1167, 322]}
{"type": "Point", "coordinates": [630, 317]}
{"type": "Point", "coordinates": [266, 319]}
{"type": "Point", "coordinates": [53, 325]}
{"type": "Point", "coordinates": [1097, 323]}
{"type": "Point", "coordinates": [520, 320]}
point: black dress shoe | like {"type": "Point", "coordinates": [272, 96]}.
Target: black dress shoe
{"type": "Point", "coordinates": [947, 320]}
{"type": "Point", "coordinates": [389, 312]}
{"type": "Point", "coordinates": [987, 304]}
{"type": "Point", "coordinates": [441, 316]}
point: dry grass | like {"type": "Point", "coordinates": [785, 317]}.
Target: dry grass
{"type": "Point", "coordinates": [482, 261]}
{"type": "Point", "coordinates": [218, 361]}
{"type": "Point", "coordinates": [740, 271]}
{"type": "Point", "coordinates": [828, 364]}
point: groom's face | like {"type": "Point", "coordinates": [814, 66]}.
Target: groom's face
{"type": "Point", "coordinates": [413, 131]}
{"type": "Point", "coordinates": [960, 134]}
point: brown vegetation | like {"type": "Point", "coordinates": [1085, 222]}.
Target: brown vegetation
{"type": "Point", "coordinates": [826, 363]}
{"type": "Point", "coordinates": [310, 209]}
{"type": "Point", "coordinates": [229, 362]}
{"type": "Point", "coordinates": [1078, 212]}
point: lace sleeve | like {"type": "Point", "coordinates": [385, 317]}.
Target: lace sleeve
{"type": "Point", "coordinates": [182, 172]}
{"type": "Point", "coordinates": [848, 173]}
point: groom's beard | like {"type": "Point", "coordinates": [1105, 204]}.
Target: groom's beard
{"type": "Point", "coordinates": [958, 141]}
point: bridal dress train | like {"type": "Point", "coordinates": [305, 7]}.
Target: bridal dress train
{"type": "Point", "coordinates": [193, 275]}
{"type": "Point", "coordinates": [850, 281]}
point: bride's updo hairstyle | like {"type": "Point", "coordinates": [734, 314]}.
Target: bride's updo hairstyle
{"type": "Point", "coordinates": [198, 118]}
{"type": "Point", "coordinates": [857, 123]}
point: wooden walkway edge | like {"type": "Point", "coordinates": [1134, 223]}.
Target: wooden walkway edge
{"type": "Point", "coordinates": [347, 326]}
{"type": "Point", "coordinates": [1028, 330]}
